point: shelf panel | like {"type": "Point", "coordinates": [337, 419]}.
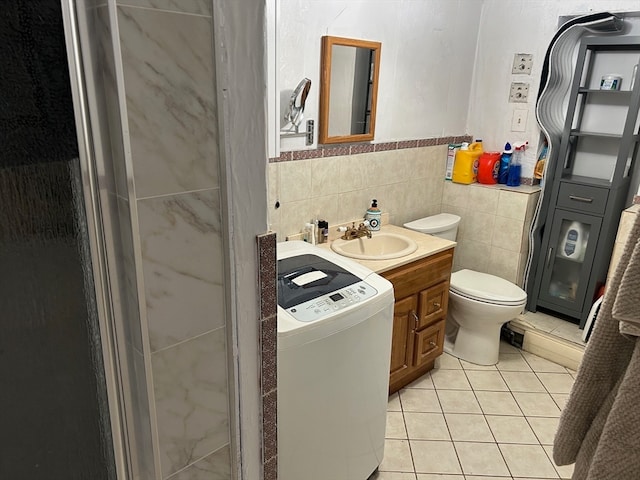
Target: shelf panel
{"type": "Point", "coordinates": [582, 180]}
{"type": "Point", "coordinates": [606, 92]}
{"type": "Point", "coordinates": [578, 133]}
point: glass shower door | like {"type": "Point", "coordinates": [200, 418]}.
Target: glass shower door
{"type": "Point", "coordinates": [54, 415]}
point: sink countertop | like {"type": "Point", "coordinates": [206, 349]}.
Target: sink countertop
{"type": "Point", "coordinates": [427, 245]}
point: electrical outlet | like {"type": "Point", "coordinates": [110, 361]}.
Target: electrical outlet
{"type": "Point", "coordinates": [522, 63]}
{"type": "Point", "coordinates": [519, 92]}
{"type": "Point", "coordinates": [519, 120]}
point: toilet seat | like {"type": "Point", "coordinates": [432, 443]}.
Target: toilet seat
{"type": "Point", "coordinates": [486, 288]}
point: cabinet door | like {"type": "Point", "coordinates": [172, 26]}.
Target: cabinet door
{"type": "Point", "coordinates": [569, 257]}
{"type": "Point", "coordinates": [404, 322]}
{"type": "Point", "coordinates": [433, 304]}
{"type": "Point", "coordinates": [429, 343]}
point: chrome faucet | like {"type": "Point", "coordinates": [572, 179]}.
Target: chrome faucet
{"type": "Point", "coordinates": [352, 232]}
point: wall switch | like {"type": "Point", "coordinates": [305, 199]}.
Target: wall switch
{"type": "Point", "coordinates": [522, 63]}
{"type": "Point", "coordinates": [519, 92]}
{"type": "Point", "coordinates": [519, 120]}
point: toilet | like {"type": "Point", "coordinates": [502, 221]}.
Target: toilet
{"type": "Point", "coordinates": [479, 303]}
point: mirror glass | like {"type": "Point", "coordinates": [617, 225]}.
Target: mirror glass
{"type": "Point", "coordinates": [348, 89]}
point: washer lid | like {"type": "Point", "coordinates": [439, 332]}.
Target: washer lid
{"type": "Point", "coordinates": [434, 223]}
{"type": "Point", "coordinates": [482, 286]}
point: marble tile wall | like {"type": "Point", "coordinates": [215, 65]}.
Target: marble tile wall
{"type": "Point", "coordinates": [167, 181]}
{"type": "Point", "coordinates": [494, 226]}
{"type": "Point", "coordinates": [167, 58]}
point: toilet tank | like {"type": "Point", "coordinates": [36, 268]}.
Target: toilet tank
{"type": "Point", "coordinates": [443, 225]}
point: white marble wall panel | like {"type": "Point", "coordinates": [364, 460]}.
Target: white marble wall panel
{"type": "Point", "coordinates": [171, 103]}
{"type": "Point", "coordinates": [197, 7]}
{"type": "Point", "coordinates": [182, 264]}
{"type": "Point", "coordinates": [212, 467]}
{"type": "Point", "coordinates": [191, 391]}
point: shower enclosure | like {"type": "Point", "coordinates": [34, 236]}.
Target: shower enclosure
{"type": "Point", "coordinates": [59, 395]}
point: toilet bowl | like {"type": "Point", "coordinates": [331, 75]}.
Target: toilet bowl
{"type": "Point", "coordinates": [479, 303]}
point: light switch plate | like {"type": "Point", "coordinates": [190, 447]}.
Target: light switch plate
{"type": "Point", "coordinates": [519, 120]}
{"type": "Point", "coordinates": [522, 63]}
{"type": "Point", "coordinates": [519, 92]}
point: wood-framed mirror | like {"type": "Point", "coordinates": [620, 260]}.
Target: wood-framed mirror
{"type": "Point", "coordinates": [348, 90]}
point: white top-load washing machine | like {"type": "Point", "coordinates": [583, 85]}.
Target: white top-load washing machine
{"type": "Point", "coordinates": [334, 347]}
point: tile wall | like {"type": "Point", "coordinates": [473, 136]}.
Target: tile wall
{"type": "Point", "coordinates": [159, 79]}
{"type": "Point", "coordinates": [408, 183]}
{"type": "Point", "coordinates": [493, 232]}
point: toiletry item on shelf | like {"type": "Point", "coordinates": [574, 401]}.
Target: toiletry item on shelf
{"type": "Point", "coordinates": [451, 156]}
{"type": "Point", "coordinates": [573, 242]}
{"type": "Point", "coordinates": [611, 81]}
{"type": "Point", "coordinates": [373, 216]}
{"type": "Point", "coordinates": [488, 167]}
{"type": "Point", "coordinates": [310, 233]}
{"type": "Point", "coordinates": [515, 167]}
{"type": "Point", "coordinates": [322, 231]}
{"type": "Point", "coordinates": [505, 160]}
{"type": "Point", "coordinates": [465, 168]}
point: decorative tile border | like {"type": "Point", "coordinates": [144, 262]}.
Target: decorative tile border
{"type": "Point", "coordinates": [266, 244]}
{"type": "Point", "coordinates": [332, 151]}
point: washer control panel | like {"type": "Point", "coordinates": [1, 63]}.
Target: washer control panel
{"type": "Point", "coordinates": [326, 305]}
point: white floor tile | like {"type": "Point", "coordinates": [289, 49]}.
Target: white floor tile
{"type": "Point", "coordinates": [394, 403]}
{"type": "Point", "coordinates": [544, 428]}
{"type": "Point", "coordinates": [508, 348]}
{"type": "Point", "coordinates": [397, 457]}
{"type": "Point", "coordinates": [565, 471]}
{"type": "Point", "coordinates": [472, 366]}
{"type": "Point", "coordinates": [512, 362]}
{"type": "Point", "coordinates": [437, 476]}
{"type": "Point", "coordinates": [498, 403]}
{"type": "Point", "coordinates": [418, 400]}
{"type": "Point", "coordinates": [508, 429]}
{"type": "Point", "coordinates": [481, 459]}
{"type": "Point", "coordinates": [395, 426]}
{"type": "Point", "coordinates": [447, 362]}
{"type": "Point", "coordinates": [458, 401]}
{"type": "Point", "coordinates": [528, 461]}
{"type": "Point", "coordinates": [426, 426]}
{"type": "Point", "coordinates": [556, 382]}
{"type": "Point", "coordinates": [465, 427]}
{"type": "Point", "coordinates": [537, 404]}
{"type": "Point", "coordinates": [423, 382]}
{"type": "Point", "coordinates": [483, 380]}
{"type": "Point", "coordinates": [434, 457]}
{"type": "Point", "coordinates": [450, 380]}
{"type": "Point", "coordinates": [560, 399]}
{"type": "Point", "coordinates": [539, 364]}
{"type": "Point", "coordinates": [392, 476]}
{"type": "Point", "coordinates": [523, 382]}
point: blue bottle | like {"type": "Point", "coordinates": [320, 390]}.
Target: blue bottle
{"type": "Point", "coordinates": [505, 160]}
{"type": "Point", "coordinates": [515, 169]}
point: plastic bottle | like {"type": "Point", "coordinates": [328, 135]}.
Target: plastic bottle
{"type": "Point", "coordinates": [373, 216]}
{"type": "Point", "coordinates": [465, 168]}
{"type": "Point", "coordinates": [515, 167]}
{"type": "Point", "coordinates": [505, 160]}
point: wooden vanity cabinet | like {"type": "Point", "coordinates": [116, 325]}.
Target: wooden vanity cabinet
{"type": "Point", "coordinates": [421, 290]}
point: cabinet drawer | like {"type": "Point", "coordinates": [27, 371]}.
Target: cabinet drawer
{"type": "Point", "coordinates": [410, 279]}
{"type": "Point", "coordinates": [429, 343]}
{"type": "Point", "coordinates": [583, 198]}
{"type": "Point", "coordinates": [433, 304]}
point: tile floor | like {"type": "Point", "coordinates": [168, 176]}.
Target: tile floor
{"type": "Point", "coordinates": [552, 325]}
{"type": "Point", "coordinates": [467, 422]}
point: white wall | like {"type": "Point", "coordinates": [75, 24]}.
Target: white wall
{"type": "Point", "coordinates": [517, 26]}
{"type": "Point", "coordinates": [428, 51]}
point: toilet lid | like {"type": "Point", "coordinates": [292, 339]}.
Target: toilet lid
{"type": "Point", "coordinates": [488, 288]}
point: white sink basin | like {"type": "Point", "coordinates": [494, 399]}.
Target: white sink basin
{"type": "Point", "coordinates": [381, 246]}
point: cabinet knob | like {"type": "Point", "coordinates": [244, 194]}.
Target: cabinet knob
{"type": "Point", "coordinates": [415, 317]}
{"type": "Point", "coordinates": [436, 305]}
{"type": "Point", "coordinates": [433, 344]}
